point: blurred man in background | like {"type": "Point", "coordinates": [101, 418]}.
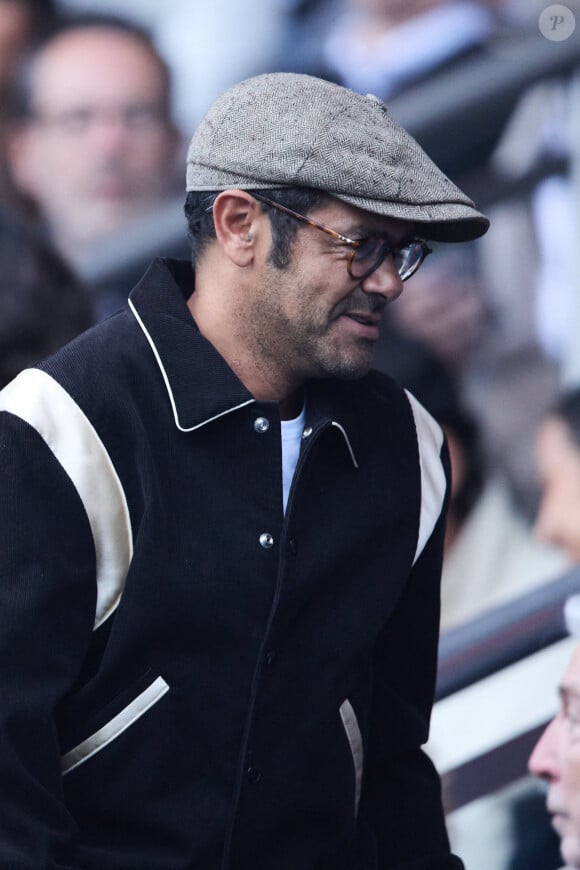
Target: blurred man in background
{"type": "Point", "coordinates": [556, 756]}
{"type": "Point", "coordinates": [93, 145]}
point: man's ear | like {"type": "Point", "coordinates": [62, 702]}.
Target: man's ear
{"type": "Point", "coordinates": [235, 215]}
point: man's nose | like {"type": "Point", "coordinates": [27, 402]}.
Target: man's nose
{"type": "Point", "coordinates": [384, 281]}
{"type": "Point", "coordinates": [543, 761]}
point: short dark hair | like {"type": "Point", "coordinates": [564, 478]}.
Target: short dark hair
{"type": "Point", "coordinates": [20, 98]}
{"type": "Point", "coordinates": [567, 408]}
{"type": "Point", "coordinates": [201, 230]}
{"type": "Point", "coordinates": [42, 304]}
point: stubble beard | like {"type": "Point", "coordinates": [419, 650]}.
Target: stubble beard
{"type": "Point", "coordinates": [309, 351]}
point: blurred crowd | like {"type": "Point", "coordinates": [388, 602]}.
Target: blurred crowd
{"type": "Point", "coordinates": [98, 100]}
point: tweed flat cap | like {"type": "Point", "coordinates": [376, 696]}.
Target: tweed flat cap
{"type": "Point", "coordinates": [289, 130]}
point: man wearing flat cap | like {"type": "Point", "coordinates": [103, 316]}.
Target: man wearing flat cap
{"type": "Point", "coordinates": [222, 533]}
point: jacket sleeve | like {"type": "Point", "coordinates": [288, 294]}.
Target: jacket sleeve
{"type": "Point", "coordinates": [47, 609]}
{"type": "Point", "coordinates": [401, 796]}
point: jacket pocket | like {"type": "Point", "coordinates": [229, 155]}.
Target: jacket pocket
{"type": "Point", "coordinates": [354, 738]}
{"type": "Point", "coordinates": [115, 726]}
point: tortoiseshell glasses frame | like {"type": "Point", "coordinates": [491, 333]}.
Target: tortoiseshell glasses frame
{"type": "Point", "coordinates": [368, 253]}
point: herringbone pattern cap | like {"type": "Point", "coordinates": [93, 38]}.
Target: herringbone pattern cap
{"type": "Point", "coordinates": [286, 130]}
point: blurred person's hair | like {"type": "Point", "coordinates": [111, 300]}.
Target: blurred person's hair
{"type": "Point", "coordinates": [417, 368]}
{"type": "Point", "coordinates": [201, 229]}
{"type": "Point", "coordinates": [434, 386]}
{"type": "Point", "coordinates": [42, 304]}
{"type": "Point", "coordinates": [20, 100]}
{"type": "Point", "coordinates": [44, 15]}
{"type": "Point", "coordinates": [567, 408]}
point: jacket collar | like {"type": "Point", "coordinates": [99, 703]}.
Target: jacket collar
{"type": "Point", "coordinates": [200, 384]}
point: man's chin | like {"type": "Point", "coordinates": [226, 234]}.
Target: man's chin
{"type": "Point", "coordinates": [570, 848]}
{"type": "Point", "coordinates": [350, 368]}
{"type": "Point", "coordinates": [349, 373]}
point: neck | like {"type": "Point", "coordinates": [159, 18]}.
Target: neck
{"type": "Point", "coordinates": [224, 328]}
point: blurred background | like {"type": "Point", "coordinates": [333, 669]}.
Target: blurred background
{"type": "Point", "coordinates": [97, 103]}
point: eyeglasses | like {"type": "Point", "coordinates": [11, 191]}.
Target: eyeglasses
{"type": "Point", "coordinates": [142, 118]}
{"type": "Point", "coordinates": [367, 254]}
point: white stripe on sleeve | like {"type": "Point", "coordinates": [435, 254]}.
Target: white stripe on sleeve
{"type": "Point", "coordinates": [433, 481]}
{"type": "Point", "coordinates": [41, 402]}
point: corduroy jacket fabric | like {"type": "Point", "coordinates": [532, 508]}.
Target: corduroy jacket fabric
{"type": "Point", "coordinates": [191, 678]}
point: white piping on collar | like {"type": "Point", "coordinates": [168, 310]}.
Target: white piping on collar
{"type": "Point", "coordinates": [168, 385]}
{"type": "Point", "coordinates": [350, 450]}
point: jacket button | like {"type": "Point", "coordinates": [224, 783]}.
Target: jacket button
{"type": "Point", "coordinates": [307, 432]}
{"type": "Point", "coordinates": [271, 657]}
{"type": "Point", "coordinates": [254, 775]}
{"type": "Point", "coordinates": [293, 546]}
{"type": "Point", "coordinates": [266, 540]}
{"type": "Point", "coordinates": [261, 425]}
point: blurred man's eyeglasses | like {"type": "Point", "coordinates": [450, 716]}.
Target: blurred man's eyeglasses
{"type": "Point", "coordinates": [367, 254]}
{"type": "Point", "coordinates": [135, 117]}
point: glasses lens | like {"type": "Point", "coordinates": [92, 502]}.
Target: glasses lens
{"type": "Point", "coordinates": [369, 254]}
{"type": "Point", "coordinates": [408, 259]}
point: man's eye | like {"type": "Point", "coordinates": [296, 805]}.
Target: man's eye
{"type": "Point", "coordinates": [368, 249]}
{"type": "Point", "coordinates": [73, 122]}
{"type": "Point", "coordinates": [142, 116]}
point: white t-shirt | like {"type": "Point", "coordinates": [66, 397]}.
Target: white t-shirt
{"type": "Point", "coordinates": [291, 438]}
